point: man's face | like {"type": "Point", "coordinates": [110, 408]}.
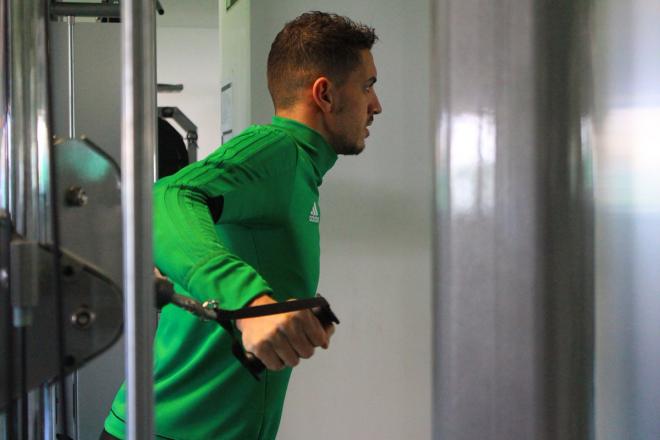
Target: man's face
{"type": "Point", "coordinates": [357, 104]}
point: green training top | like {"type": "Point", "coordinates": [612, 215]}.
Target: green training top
{"type": "Point", "coordinates": [266, 240]}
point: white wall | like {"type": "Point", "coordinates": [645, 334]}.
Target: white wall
{"type": "Point", "coordinates": [190, 56]}
{"type": "Point", "coordinates": [375, 381]}
{"type": "Point", "coordinates": [235, 62]}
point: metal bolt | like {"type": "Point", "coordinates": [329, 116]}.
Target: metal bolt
{"type": "Point", "coordinates": [68, 271]}
{"type": "Point", "coordinates": [76, 196]}
{"type": "Point", "coordinates": [83, 318]}
{"type": "Point", "coordinates": [209, 305]}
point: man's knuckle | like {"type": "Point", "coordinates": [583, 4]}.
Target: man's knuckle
{"type": "Point", "coordinates": [306, 354]}
{"type": "Point", "coordinates": [262, 347]}
{"type": "Point", "coordinates": [273, 335]}
{"type": "Point", "coordinates": [296, 320]}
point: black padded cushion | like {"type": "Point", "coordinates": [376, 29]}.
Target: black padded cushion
{"type": "Point", "coordinates": [172, 153]}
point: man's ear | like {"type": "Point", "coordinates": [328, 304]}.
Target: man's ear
{"type": "Point", "coordinates": [323, 94]}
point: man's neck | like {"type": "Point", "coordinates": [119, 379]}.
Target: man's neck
{"type": "Point", "coordinates": [305, 116]}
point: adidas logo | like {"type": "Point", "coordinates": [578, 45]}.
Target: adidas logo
{"type": "Point", "coordinates": [314, 216]}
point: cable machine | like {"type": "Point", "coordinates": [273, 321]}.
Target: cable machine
{"type": "Point", "coordinates": [56, 184]}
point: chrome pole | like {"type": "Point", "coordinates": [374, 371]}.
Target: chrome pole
{"type": "Point", "coordinates": [28, 125]}
{"type": "Point", "coordinates": [4, 106]}
{"type": "Point", "coordinates": [71, 381]}
{"type": "Point", "coordinates": [138, 144]}
{"type": "Point", "coordinates": [7, 420]}
{"type": "Point", "coordinates": [27, 182]}
{"type": "Point", "coordinates": [28, 129]}
{"type": "Point", "coordinates": [513, 251]}
{"type": "Point", "coordinates": [72, 92]}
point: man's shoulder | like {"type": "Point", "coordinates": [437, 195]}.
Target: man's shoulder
{"type": "Point", "coordinates": [257, 144]}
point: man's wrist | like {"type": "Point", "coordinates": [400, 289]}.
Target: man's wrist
{"type": "Point", "coordinates": [258, 300]}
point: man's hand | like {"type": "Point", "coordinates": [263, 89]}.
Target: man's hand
{"type": "Point", "coordinates": [281, 340]}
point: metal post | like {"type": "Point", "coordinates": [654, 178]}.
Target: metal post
{"type": "Point", "coordinates": [4, 106]}
{"type": "Point", "coordinates": [7, 420]}
{"type": "Point", "coordinates": [138, 144]}
{"type": "Point", "coordinates": [29, 115]}
{"type": "Point", "coordinates": [514, 234]}
{"type": "Point", "coordinates": [72, 77]}
{"type": "Point", "coordinates": [71, 381]}
{"type": "Point", "coordinates": [25, 180]}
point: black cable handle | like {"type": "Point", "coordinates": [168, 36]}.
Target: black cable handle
{"type": "Point", "coordinates": [210, 311]}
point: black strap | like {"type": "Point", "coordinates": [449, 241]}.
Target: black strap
{"type": "Point", "coordinates": [270, 309]}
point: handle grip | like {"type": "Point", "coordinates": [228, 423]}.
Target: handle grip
{"type": "Point", "coordinates": [324, 314]}
{"type": "Point", "coordinates": [209, 311]}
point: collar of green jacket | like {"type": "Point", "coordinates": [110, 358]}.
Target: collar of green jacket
{"type": "Point", "coordinates": [323, 156]}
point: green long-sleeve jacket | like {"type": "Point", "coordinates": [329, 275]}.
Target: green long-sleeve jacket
{"type": "Point", "coordinates": [242, 222]}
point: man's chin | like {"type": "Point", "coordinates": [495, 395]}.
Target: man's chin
{"type": "Point", "coordinates": [353, 150]}
{"type": "Point", "coordinates": [343, 147]}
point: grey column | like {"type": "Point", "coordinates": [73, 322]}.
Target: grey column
{"type": "Point", "coordinates": [4, 106]}
{"type": "Point", "coordinates": [627, 119]}
{"type": "Point", "coordinates": [28, 122]}
{"type": "Point", "coordinates": [513, 261]}
{"type": "Point", "coordinates": [138, 144]}
{"type": "Point", "coordinates": [27, 182]}
{"type": "Point", "coordinates": [5, 301]}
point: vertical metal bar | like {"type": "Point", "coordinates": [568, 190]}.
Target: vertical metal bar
{"type": "Point", "coordinates": [73, 378]}
{"type": "Point", "coordinates": [513, 256]}
{"type": "Point", "coordinates": [37, 417]}
{"type": "Point", "coordinates": [49, 392]}
{"type": "Point", "coordinates": [4, 106]}
{"type": "Point", "coordinates": [29, 121]}
{"type": "Point", "coordinates": [9, 425]}
{"type": "Point", "coordinates": [72, 91]}
{"type": "Point", "coordinates": [138, 144]}
{"type": "Point", "coordinates": [28, 183]}
{"type": "Point", "coordinates": [8, 418]}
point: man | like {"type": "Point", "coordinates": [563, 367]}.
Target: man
{"type": "Point", "coordinates": [241, 227]}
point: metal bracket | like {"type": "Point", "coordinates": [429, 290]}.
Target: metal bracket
{"type": "Point", "coordinates": [89, 207]}
{"type": "Point", "coordinates": [92, 312]}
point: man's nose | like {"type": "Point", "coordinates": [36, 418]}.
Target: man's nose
{"type": "Point", "coordinates": [375, 105]}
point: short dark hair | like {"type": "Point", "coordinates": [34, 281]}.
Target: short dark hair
{"type": "Point", "coordinates": [314, 44]}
